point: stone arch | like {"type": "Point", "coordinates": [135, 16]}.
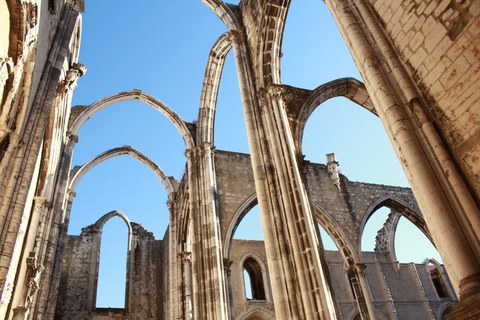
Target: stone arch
{"type": "Point", "coordinates": [225, 12]}
{"type": "Point", "coordinates": [402, 209]}
{"type": "Point", "coordinates": [115, 213]}
{"type": "Point", "coordinates": [349, 88]}
{"type": "Point", "coordinates": [251, 259]}
{"type": "Point", "coordinates": [258, 313]}
{"type": "Point", "coordinates": [246, 206]}
{"type": "Point", "coordinates": [81, 114]}
{"type": "Point", "coordinates": [211, 84]}
{"type": "Point", "coordinates": [439, 278]}
{"type": "Point", "coordinates": [79, 172]}
{"type": "Point", "coordinates": [270, 46]}
{"type": "Point", "coordinates": [445, 309]}
{"type": "Point", "coordinates": [338, 236]}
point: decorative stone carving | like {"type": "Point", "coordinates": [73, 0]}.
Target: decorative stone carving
{"type": "Point", "coordinates": [76, 71]}
{"type": "Point", "coordinates": [34, 271]}
{"type": "Point", "coordinates": [333, 169]}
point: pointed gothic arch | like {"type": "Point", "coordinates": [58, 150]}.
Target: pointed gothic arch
{"type": "Point", "coordinates": [247, 205]}
{"type": "Point", "coordinates": [337, 235]}
{"type": "Point", "coordinates": [211, 84]}
{"type": "Point", "coordinates": [256, 268]}
{"type": "Point", "coordinates": [225, 12]}
{"type": "Point", "coordinates": [403, 209]}
{"type": "Point", "coordinates": [349, 88]}
{"type": "Point", "coordinates": [79, 172]}
{"type": "Point", "coordinates": [80, 114]}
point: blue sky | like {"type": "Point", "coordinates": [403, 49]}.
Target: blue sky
{"type": "Point", "coordinates": [162, 48]}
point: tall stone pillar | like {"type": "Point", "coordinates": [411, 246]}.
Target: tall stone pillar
{"type": "Point", "coordinates": [449, 210]}
{"type": "Point", "coordinates": [210, 298]}
{"type": "Point", "coordinates": [356, 275]}
{"type": "Point", "coordinates": [299, 287]}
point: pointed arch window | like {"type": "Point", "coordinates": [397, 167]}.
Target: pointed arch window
{"type": "Point", "coordinates": [437, 279]}
{"type": "Point", "coordinates": [253, 280]}
{"type": "Point", "coordinates": [112, 274]}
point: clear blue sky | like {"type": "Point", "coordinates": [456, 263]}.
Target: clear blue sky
{"type": "Point", "coordinates": [162, 48]}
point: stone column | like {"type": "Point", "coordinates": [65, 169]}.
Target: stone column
{"type": "Point", "coordinates": [450, 215]}
{"type": "Point", "coordinates": [364, 299]}
{"type": "Point", "coordinates": [299, 287]}
{"type": "Point", "coordinates": [210, 298]}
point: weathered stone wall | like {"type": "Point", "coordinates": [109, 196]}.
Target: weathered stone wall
{"type": "Point", "coordinates": [241, 250]}
{"type": "Point", "coordinates": [400, 291]}
{"type": "Point", "coordinates": [146, 280]}
{"type": "Point", "coordinates": [348, 207]}
{"type": "Point", "coordinates": [439, 43]}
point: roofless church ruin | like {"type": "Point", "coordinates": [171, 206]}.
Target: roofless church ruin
{"type": "Point", "coordinates": [420, 65]}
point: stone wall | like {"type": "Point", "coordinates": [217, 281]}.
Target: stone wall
{"type": "Point", "coordinates": [438, 41]}
{"type": "Point", "coordinates": [399, 290]}
{"type": "Point", "coordinates": [146, 289]}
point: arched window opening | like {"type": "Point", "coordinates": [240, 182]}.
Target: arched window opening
{"type": "Point", "coordinates": [408, 236]}
{"type": "Point", "coordinates": [437, 280]}
{"type": "Point", "coordinates": [124, 184]}
{"type": "Point", "coordinates": [374, 224]}
{"type": "Point", "coordinates": [358, 140]}
{"type": "Point", "coordinates": [230, 132]}
{"type": "Point", "coordinates": [250, 227]}
{"type": "Point", "coordinates": [253, 280]}
{"type": "Point", "coordinates": [112, 269]}
{"type": "Point", "coordinates": [327, 241]}
{"type": "Point", "coordinates": [307, 63]}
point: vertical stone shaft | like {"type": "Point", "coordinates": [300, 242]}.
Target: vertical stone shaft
{"type": "Point", "coordinates": [384, 77]}
{"type": "Point", "coordinates": [210, 299]}
{"type": "Point", "coordinates": [299, 287]}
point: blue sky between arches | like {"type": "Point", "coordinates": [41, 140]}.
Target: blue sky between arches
{"type": "Point", "coordinates": [161, 47]}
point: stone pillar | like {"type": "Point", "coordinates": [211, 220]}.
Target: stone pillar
{"type": "Point", "coordinates": [356, 275]}
{"type": "Point", "coordinates": [299, 287]}
{"type": "Point", "coordinates": [448, 208]}
{"type": "Point", "coordinates": [210, 298]}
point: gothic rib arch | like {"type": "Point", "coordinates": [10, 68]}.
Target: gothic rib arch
{"type": "Point", "coordinates": [349, 88]}
{"type": "Point", "coordinates": [225, 12]}
{"type": "Point", "coordinates": [98, 226]}
{"type": "Point", "coordinates": [402, 209]}
{"type": "Point", "coordinates": [350, 256]}
{"type": "Point", "coordinates": [211, 84]}
{"type": "Point", "coordinates": [79, 172]}
{"type": "Point", "coordinates": [270, 46]}
{"type": "Point", "coordinates": [263, 271]}
{"type": "Point", "coordinates": [82, 113]}
{"type": "Point", "coordinates": [246, 206]}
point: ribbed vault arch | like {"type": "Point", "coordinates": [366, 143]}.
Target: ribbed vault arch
{"type": "Point", "coordinates": [79, 172]}
{"type": "Point", "coordinates": [81, 114]}
{"type": "Point", "coordinates": [211, 84]}
{"type": "Point", "coordinates": [349, 88]}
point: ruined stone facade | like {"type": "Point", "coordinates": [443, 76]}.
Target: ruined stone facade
{"type": "Point", "coordinates": [420, 62]}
